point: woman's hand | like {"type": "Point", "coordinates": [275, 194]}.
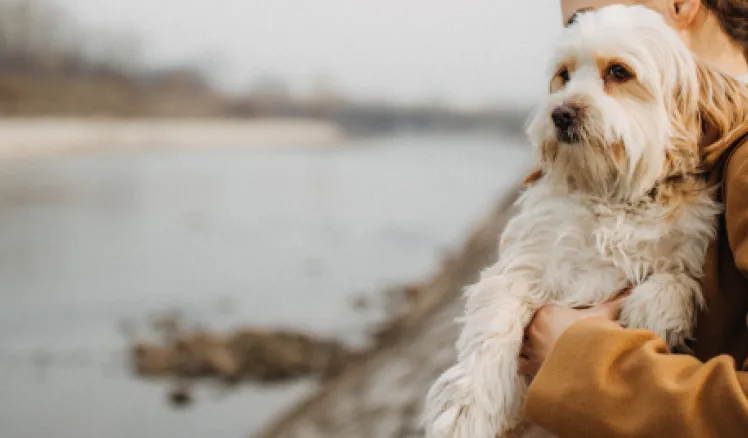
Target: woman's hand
{"type": "Point", "coordinates": [549, 323]}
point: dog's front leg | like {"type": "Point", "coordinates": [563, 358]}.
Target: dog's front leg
{"type": "Point", "coordinates": [482, 395]}
{"type": "Point", "coordinates": [665, 304]}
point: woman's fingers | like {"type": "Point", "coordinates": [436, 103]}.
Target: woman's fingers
{"type": "Point", "coordinates": [526, 350]}
{"type": "Point", "coordinates": [611, 310]}
{"type": "Point", "coordinates": [622, 294]}
{"type": "Point", "coordinates": [550, 322]}
{"type": "Point", "coordinates": [526, 367]}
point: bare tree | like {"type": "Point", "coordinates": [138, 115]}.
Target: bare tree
{"type": "Point", "coordinates": [39, 34]}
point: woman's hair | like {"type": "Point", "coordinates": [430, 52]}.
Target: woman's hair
{"type": "Point", "coordinates": [733, 15]}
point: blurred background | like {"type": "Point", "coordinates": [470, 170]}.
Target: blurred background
{"type": "Point", "coordinates": [209, 209]}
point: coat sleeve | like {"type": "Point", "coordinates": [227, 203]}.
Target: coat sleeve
{"type": "Point", "coordinates": [604, 381]}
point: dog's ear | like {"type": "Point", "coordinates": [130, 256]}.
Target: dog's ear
{"type": "Point", "coordinates": [723, 110]}
{"type": "Point", "coordinates": [533, 177]}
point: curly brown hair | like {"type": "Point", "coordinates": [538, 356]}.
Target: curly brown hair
{"type": "Point", "coordinates": [733, 15]}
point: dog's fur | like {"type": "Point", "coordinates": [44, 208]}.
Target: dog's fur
{"type": "Point", "coordinates": [620, 202]}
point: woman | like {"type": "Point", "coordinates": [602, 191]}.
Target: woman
{"type": "Point", "coordinates": [594, 379]}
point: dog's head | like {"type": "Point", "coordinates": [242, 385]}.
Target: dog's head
{"type": "Point", "coordinates": [628, 104]}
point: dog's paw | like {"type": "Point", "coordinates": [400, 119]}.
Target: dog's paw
{"type": "Point", "coordinates": [463, 421]}
{"type": "Point", "coordinates": [459, 407]}
{"type": "Point", "coordinates": [665, 305]}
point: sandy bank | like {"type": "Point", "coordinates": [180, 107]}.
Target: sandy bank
{"type": "Point", "coordinates": [43, 137]}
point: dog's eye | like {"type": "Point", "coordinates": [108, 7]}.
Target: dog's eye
{"type": "Point", "coordinates": [619, 73]}
{"type": "Point", "coordinates": [564, 75]}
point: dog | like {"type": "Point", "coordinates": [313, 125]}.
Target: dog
{"type": "Point", "coordinates": [619, 201]}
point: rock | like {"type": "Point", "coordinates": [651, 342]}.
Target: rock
{"type": "Point", "coordinates": [248, 354]}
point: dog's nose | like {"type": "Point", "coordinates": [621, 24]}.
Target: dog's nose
{"type": "Point", "coordinates": [564, 116]}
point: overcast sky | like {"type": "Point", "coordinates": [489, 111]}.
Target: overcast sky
{"type": "Point", "coordinates": [471, 52]}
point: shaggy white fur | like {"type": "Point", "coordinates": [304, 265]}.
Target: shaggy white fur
{"type": "Point", "coordinates": [620, 203]}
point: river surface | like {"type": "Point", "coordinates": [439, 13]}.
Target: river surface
{"type": "Point", "coordinates": [277, 237]}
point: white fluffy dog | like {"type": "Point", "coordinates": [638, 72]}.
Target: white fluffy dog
{"type": "Point", "coordinates": [619, 201]}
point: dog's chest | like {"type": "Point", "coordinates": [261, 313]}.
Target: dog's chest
{"type": "Point", "coordinates": [582, 254]}
{"type": "Point", "coordinates": [589, 260]}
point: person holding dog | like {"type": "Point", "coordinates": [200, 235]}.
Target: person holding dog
{"type": "Point", "coordinates": [593, 378]}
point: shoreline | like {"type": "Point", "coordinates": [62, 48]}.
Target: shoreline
{"type": "Point", "coordinates": [381, 395]}
{"type": "Point", "coordinates": [187, 225]}
{"type": "Point", "coordinates": [43, 137]}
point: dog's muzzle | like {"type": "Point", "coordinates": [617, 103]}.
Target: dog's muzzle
{"type": "Point", "coordinates": [566, 119]}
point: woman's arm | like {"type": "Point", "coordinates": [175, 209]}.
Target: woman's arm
{"type": "Point", "coordinates": [603, 381]}
{"type": "Point", "coordinates": [598, 380]}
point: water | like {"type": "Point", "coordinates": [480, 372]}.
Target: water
{"type": "Point", "coordinates": [229, 236]}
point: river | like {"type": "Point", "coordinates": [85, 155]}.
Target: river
{"type": "Point", "coordinates": [276, 237]}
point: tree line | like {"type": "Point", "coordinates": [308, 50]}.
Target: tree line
{"type": "Point", "coordinates": [39, 35]}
